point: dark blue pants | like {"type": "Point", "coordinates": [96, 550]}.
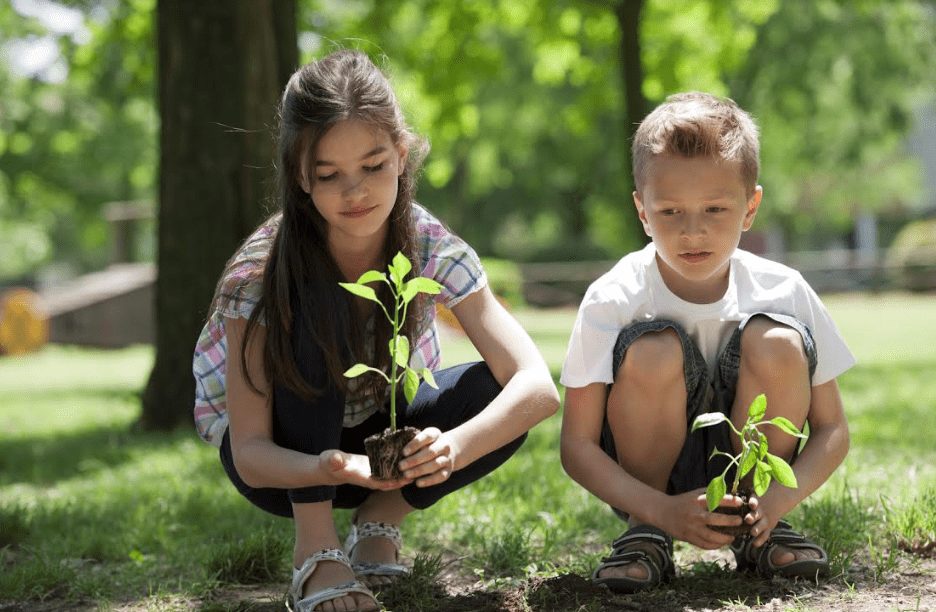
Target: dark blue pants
{"type": "Point", "coordinates": [463, 392]}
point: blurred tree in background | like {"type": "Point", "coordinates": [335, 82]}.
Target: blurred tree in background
{"type": "Point", "coordinates": [525, 102]}
{"type": "Point", "coordinates": [528, 104]}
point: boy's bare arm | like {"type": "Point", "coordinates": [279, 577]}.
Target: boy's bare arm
{"type": "Point", "coordinates": [821, 455]}
{"type": "Point", "coordinates": [682, 516]}
{"type": "Point", "coordinates": [587, 464]}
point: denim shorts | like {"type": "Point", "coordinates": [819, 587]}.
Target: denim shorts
{"type": "Point", "coordinates": [704, 393]}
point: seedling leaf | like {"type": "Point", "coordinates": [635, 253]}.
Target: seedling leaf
{"type": "Point", "coordinates": [361, 291]}
{"type": "Point", "coordinates": [429, 378]}
{"type": "Point", "coordinates": [410, 385]}
{"type": "Point", "coordinates": [715, 492]}
{"type": "Point", "coordinates": [401, 265]}
{"type": "Point", "coordinates": [708, 419]}
{"type": "Point", "coordinates": [359, 368]}
{"type": "Point", "coordinates": [747, 463]}
{"type": "Point", "coordinates": [371, 276]}
{"type": "Point", "coordinates": [761, 478]}
{"type": "Point", "coordinates": [786, 425]}
{"type": "Point", "coordinates": [400, 352]}
{"type": "Point", "coordinates": [762, 446]}
{"type": "Point", "coordinates": [425, 285]}
{"type": "Point", "coordinates": [758, 407]}
{"type": "Point", "coordinates": [781, 471]}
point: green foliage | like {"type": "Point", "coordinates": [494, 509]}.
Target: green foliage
{"type": "Point", "coordinates": [753, 455]}
{"type": "Point", "coordinates": [70, 147]}
{"type": "Point", "coordinates": [258, 556]}
{"type": "Point", "coordinates": [523, 103]}
{"type": "Point", "coordinates": [505, 280]}
{"type": "Point", "coordinates": [403, 292]}
{"type": "Point", "coordinates": [912, 255]}
{"type": "Point", "coordinates": [833, 85]}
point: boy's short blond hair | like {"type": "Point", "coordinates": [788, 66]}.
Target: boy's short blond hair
{"type": "Point", "coordinates": [695, 124]}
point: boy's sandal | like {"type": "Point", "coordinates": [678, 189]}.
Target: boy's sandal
{"type": "Point", "coordinates": [645, 545]}
{"type": "Point", "coordinates": [367, 571]}
{"type": "Point", "coordinates": [751, 559]}
{"type": "Point", "coordinates": [294, 599]}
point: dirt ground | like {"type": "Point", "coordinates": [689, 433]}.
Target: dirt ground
{"type": "Point", "coordinates": [709, 586]}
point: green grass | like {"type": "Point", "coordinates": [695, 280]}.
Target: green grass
{"type": "Point", "coordinates": [94, 513]}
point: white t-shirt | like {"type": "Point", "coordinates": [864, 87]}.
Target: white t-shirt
{"type": "Point", "coordinates": [633, 290]}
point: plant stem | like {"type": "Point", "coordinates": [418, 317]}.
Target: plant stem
{"type": "Point", "coordinates": [393, 362]}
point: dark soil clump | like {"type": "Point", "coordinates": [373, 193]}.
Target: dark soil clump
{"type": "Point", "coordinates": [743, 529]}
{"type": "Point", "coordinates": [385, 450]}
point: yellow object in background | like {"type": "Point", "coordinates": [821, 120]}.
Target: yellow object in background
{"type": "Point", "coordinates": [24, 325]}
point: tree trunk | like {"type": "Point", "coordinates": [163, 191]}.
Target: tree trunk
{"type": "Point", "coordinates": [222, 65]}
{"type": "Point", "coordinates": [632, 76]}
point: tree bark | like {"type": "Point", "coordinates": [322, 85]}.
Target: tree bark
{"type": "Point", "coordinates": [636, 108]}
{"type": "Point", "coordinates": [222, 65]}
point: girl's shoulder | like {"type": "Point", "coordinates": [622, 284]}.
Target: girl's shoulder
{"type": "Point", "coordinates": [240, 287]}
{"type": "Point", "coordinates": [447, 258]}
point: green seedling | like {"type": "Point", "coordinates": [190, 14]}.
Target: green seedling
{"type": "Point", "coordinates": [753, 455]}
{"type": "Point", "coordinates": [403, 293]}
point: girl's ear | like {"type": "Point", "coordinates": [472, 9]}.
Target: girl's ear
{"type": "Point", "coordinates": [403, 151]}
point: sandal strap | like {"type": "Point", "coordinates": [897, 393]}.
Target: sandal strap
{"type": "Point", "coordinates": [301, 574]}
{"type": "Point", "coordinates": [369, 529]}
{"type": "Point", "coordinates": [747, 557]}
{"type": "Point", "coordinates": [659, 561]}
{"type": "Point", "coordinates": [342, 590]}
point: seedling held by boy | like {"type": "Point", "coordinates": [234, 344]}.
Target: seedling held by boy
{"type": "Point", "coordinates": [753, 456]}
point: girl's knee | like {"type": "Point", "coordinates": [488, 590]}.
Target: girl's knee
{"type": "Point", "coordinates": [654, 358]}
{"type": "Point", "coordinates": [772, 347]}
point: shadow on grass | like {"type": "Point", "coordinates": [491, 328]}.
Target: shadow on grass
{"type": "Point", "coordinates": [47, 459]}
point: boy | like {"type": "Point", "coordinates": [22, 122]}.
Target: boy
{"type": "Point", "coordinates": [691, 324]}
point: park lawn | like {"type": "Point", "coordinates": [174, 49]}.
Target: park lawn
{"type": "Point", "coordinates": [93, 513]}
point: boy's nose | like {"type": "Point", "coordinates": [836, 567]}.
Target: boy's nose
{"type": "Point", "coordinates": [693, 226]}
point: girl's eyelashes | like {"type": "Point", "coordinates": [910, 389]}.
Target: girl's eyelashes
{"type": "Point", "coordinates": [369, 169]}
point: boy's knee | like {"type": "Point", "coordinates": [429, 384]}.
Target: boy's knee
{"type": "Point", "coordinates": [653, 357]}
{"type": "Point", "coordinates": [770, 346]}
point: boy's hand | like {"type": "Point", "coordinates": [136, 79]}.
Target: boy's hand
{"type": "Point", "coordinates": [762, 520]}
{"type": "Point", "coordinates": [687, 518]}
{"type": "Point", "coordinates": [347, 468]}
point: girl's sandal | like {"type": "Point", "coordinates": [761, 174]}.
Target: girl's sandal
{"type": "Point", "coordinates": [295, 602]}
{"type": "Point", "coordinates": [645, 545]}
{"type": "Point", "coordinates": [750, 559]}
{"type": "Point", "coordinates": [368, 571]}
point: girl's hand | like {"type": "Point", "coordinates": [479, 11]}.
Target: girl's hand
{"type": "Point", "coordinates": [347, 468]}
{"type": "Point", "coordinates": [762, 520]}
{"type": "Point", "coordinates": [430, 457]}
{"type": "Point", "coordinates": [686, 517]}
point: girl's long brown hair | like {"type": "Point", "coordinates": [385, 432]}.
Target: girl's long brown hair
{"type": "Point", "coordinates": [300, 278]}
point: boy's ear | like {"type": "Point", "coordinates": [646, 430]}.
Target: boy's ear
{"type": "Point", "coordinates": [753, 204]}
{"type": "Point", "coordinates": [641, 213]}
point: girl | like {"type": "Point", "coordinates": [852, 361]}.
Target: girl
{"type": "Point", "coordinates": [269, 363]}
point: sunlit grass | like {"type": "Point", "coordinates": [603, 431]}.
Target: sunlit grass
{"type": "Point", "coordinates": [92, 512]}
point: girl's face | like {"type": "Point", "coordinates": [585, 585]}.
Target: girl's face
{"type": "Point", "coordinates": [353, 182]}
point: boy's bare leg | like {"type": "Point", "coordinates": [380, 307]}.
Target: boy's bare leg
{"type": "Point", "coordinates": [773, 362]}
{"type": "Point", "coordinates": [315, 530]}
{"type": "Point", "coordinates": [647, 416]}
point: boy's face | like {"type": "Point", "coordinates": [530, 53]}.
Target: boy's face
{"type": "Point", "coordinates": [695, 209]}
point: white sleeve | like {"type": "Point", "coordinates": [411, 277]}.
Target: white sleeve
{"type": "Point", "coordinates": [833, 356]}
